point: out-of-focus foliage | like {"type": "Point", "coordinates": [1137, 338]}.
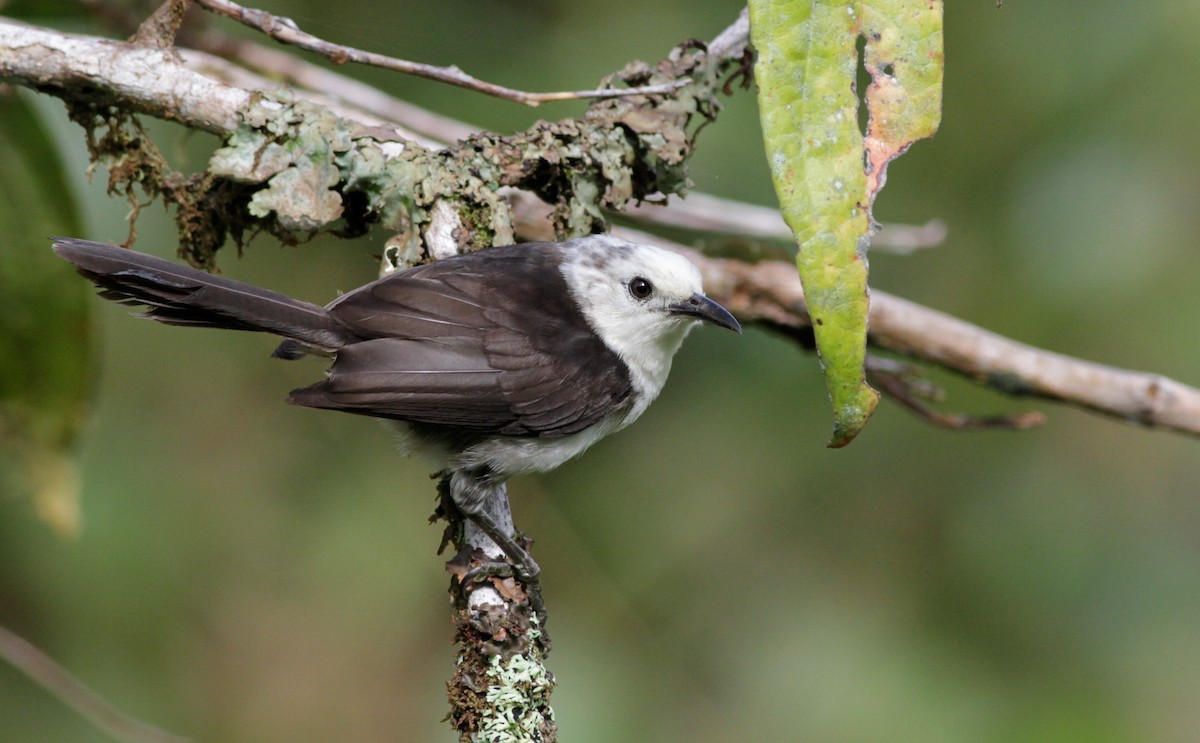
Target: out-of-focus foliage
{"type": "Point", "coordinates": [44, 351]}
{"type": "Point", "coordinates": [30, 10]}
{"type": "Point", "coordinates": [254, 572]}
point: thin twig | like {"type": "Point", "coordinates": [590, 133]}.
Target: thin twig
{"type": "Point", "coordinates": [706, 213]}
{"type": "Point", "coordinates": [160, 28]}
{"type": "Point", "coordinates": [72, 692]}
{"type": "Point", "coordinates": [898, 381]}
{"type": "Point", "coordinates": [733, 41]}
{"type": "Point", "coordinates": [434, 129]}
{"type": "Point", "coordinates": [285, 31]}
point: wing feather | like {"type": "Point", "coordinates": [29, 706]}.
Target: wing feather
{"type": "Point", "coordinates": [490, 343]}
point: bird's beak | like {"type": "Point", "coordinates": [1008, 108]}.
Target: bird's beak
{"type": "Point", "coordinates": [703, 308]}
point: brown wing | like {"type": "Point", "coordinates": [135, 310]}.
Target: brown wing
{"type": "Point", "coordinates": [488, 342]}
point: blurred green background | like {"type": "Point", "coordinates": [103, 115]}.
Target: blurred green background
{"type": "Point", "coordinates": [250, 571]}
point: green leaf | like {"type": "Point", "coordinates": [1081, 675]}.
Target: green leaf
{"type": "Point", "coordinates": [806, 70]}
{"type": "Point", "coordinates": [45, 367]}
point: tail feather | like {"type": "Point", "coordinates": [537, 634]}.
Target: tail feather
{"type": "Point", "coordinates": [180, 295]}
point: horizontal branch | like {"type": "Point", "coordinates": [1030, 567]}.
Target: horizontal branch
{"type": "Point", "coordinates": [1020, 369]}
{"type": "Point", "coordinates": [146, 80]}
{"type": "Point", "coordinates": [769, 292]}
{"type": "Point", "coordinates": [162, 84]}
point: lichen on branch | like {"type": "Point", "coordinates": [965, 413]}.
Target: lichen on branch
{"type": "Point", "coordinates": [293, 168]}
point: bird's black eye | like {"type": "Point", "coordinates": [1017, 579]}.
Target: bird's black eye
{"type": "Point", "coordinates": [640, 288]}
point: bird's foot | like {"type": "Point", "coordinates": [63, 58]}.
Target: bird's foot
{"type": "Point", "coordinates": [485, 506]}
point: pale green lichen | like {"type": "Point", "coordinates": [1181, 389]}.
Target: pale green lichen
{"type": "Point", "coordinates": [294, 168]}
{"type": "Point", "coordinates": [518, 699]}
{"type": "Point", "coordinates": [511, 718]}
{"type": "Point", "coordinates": [294, 148]}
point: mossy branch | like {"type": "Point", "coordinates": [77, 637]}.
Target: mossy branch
{"type": "Point", "coordinates": [298, 167]}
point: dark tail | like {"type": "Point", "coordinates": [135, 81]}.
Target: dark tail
{"type": "Point", "coordinates": [179, 295]}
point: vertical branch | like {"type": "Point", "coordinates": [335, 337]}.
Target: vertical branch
{"type": "Point", "coordinates": [501, 687]}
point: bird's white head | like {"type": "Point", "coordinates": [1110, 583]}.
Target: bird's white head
{"type": "Point", "coordinates": [641, 301]}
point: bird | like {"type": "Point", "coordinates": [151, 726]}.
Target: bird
{"type": "Point", "coordinates": [502, 361]}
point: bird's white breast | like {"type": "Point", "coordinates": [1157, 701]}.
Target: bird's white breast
{"type": "Point", "coordinates": [512, 454]}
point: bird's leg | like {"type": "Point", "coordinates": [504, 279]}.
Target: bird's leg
{"type": "Point", "coordinates": [485, 505]}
